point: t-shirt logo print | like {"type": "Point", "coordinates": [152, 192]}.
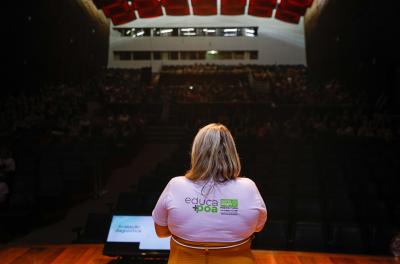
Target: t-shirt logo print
{"type": "Point", "coordinates": [225, 206]}
{"type": "Point", "coordinates": [229, 206]}
{"type": "Point", "coordinates": [202, 205]}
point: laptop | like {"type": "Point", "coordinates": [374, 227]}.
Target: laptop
{"type": "Point", "coordinates": [134, 235]}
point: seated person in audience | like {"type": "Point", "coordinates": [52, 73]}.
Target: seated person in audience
{"type": "Point", "coordinates": [3, 194]}
{"type": "Point", "coordinates": [7, 167]}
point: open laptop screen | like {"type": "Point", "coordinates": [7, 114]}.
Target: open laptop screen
{"type": "Point", "coordinates": [139, 229]}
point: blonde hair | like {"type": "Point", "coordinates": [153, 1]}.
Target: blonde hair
{"type": "Point", "coordinates": [214, 155]}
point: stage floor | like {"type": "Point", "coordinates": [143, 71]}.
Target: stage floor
{"type": "Point", "coordinates": [92, 254]}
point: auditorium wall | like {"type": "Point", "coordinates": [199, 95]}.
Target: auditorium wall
{"type": "Point", "coordinates": [277, 42]}
{"type": "Point", "coordinates": [80, 38]}
{"type": "Point", "coordinates": [354, 41]}
{"type": "Point", "coordinates": [52, 42]}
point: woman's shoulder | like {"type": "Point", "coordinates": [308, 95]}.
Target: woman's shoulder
{"type": "Point", "coordinates": [182, 183]}
{"type": "Point", "coordinates": [245, 181]}
{"type": "Point", "coordinates": [178, 180]}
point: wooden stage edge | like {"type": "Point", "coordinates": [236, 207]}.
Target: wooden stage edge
{"type": "Point", "coordinates": [92, 254]}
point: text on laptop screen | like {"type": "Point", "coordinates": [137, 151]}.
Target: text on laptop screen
{"type": "Point", "coordinates": [140, 229]}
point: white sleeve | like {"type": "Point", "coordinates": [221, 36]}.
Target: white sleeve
{"type": "Point", "coordinates": [160, 211]}
{"type": "Point", "coordinates": [260, 205]}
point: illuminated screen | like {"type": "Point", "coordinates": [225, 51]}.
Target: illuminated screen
{"type": "Point", "coordinates": [136, 229]}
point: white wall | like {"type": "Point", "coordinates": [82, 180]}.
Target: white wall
{"type": "Point", "coordinates": [277, 41]}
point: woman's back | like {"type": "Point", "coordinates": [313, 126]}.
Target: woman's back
{"type": "Point", "coordinates": [211, 212]}
{"type": "Point", "coordinates": [221, 212]}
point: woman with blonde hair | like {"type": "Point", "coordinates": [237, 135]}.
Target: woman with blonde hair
{"type": "Point", "coordinates": [211, 213]}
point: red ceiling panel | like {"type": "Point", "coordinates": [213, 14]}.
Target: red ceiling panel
{"type": "Point", "coordinates": [260, 12]}
{"type": "Point", "coordinates": [204, 7]}
{"type": "Point", "coordinates": [148, 8]}
{"type": "Point", "coordinates": [287, 16]}
{"type": "Point", "coordinates": [123, 18]}
{"type": "Point", "coordinates": [100, 4]}
{"type": "Point", "coordinates": [171, 11]}
{"type": "Point", "coordinates": [233, 7]}
{"type": "Point", "coordinates": [307, 3]}
{"type": "Point", "coordinates": [176, 7]}
{"type": "Point", "coordinates": [121, 12]}
{"type": "Point", "coordinates": [116, 9]}
{"type": "Point", "coordinates": [262, 4]}
{"type": "Point", "coordinates": [233, 11]}
{"type": "Point", "coordinates": [297, 7]}
{"type": "Point", "coordinates": [261, 8]}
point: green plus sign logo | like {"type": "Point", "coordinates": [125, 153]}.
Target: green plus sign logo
{"type": "Point", "coordinates": [229, 206]}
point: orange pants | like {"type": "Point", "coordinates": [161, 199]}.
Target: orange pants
{"type": "Point", "coordinates": [236, 255]}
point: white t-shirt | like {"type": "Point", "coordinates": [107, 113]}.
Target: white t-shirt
{"type": "Point", "coordinates": [232, 211]}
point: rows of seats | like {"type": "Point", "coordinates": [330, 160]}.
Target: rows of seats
{"type": "Point", "coordinates": [50, 178]}
{"type": "Point", "coordinates": [57, 170]}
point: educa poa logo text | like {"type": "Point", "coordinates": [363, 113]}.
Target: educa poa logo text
{"type": "Point", "coordinates": [225, 206]}
{"type": "Point", "coordinates": [203, 205]}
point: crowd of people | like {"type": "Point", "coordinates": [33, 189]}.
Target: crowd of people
{"type": "Point", "coordinates": [123, 86]}
{"type": "Point", "coordinates": [301, 125]}
{"type": "Point", "coordinates": [290, 85]}
{"type": "Point", "coordinates": [201, 69]}
{"type": "Point", "coordinates": [67, 111]}
{"type": "Point", "coordinates": [75, 112]}
{"type": "Point", "coordinates": [274, 85]}
{"type": "Point", "coordinates": [57, 106]}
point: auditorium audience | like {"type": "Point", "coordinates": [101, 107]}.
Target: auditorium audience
{"type": "Point", "coordinates": [7, 167]}
{"type": "Point", "coordinates": [62, 109]}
